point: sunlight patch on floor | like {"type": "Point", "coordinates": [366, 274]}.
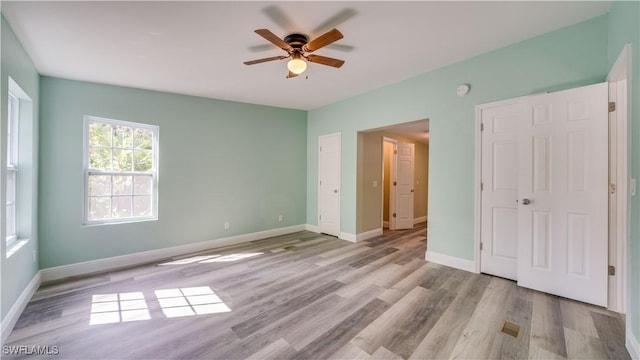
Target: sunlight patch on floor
{"type": "Point", "coordinates": [118, 307]}
{"type": "Point", "coordinates": [190, 302]}
{"type": "Point", "coordinates": [203, 259]}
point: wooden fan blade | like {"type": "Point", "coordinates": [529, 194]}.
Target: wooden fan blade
{"type": "Point", "coordinates": [258, 61]}
{"type": "Point", "coordinates": [291, 75]}
{"type": "Point", "coordinates": [274, 39]}
{"type": "Point", "coordinates": [335, 20]}
{"type": "Point", "coordinates": [323, 40]}
{"type": "Point", "coordinates": [278, 16]}
{"type": "Point", "coordinates": [336, 63]}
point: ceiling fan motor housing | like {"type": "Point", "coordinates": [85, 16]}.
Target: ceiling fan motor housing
{"type": "Point", "coordinates": [296, 41]}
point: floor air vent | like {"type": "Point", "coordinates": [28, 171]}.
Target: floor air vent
{"type": "Point", "coordinates": [510, 329]}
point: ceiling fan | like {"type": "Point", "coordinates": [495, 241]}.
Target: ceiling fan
{"type": "Point", "coordinates": [299, 49]}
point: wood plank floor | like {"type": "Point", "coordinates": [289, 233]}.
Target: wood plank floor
{"type": "Point", "coordinates": [310, 296]}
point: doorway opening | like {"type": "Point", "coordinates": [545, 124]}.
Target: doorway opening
{"type": "Point", "coordinates": [400, 154]}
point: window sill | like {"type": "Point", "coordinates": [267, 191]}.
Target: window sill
{"type": "Point", "coordinates": [15, 246]}
{"type": "Point", "coordinates": [123, 221]}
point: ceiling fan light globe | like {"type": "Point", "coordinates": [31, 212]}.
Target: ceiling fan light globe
{"type": "Point", "coordinates": [297, 66]}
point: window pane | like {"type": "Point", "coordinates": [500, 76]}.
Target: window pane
{"type": "Point", "coordinates": [142, 185]}
{"type": "Point", "coordinates": [144, 160]}
{"type": "Point", "coordinates": [99, 185]}
{"type": "Point", "coordinates": [99, 208]}
{"type": "Point", "coordinates": [121, 137]}
{"type": "Point", "coordinates": [11, 219]}
{"type": "Point", "coordinates": [99, 135]}
{"type": "Point", "coordinates": [142, 139]}
{"type": "Point", "coordinates": [122, 185]}
{"type": "Point", "coordinates": [115, 151]}
{"type": "Point", "coordinates": [122, 160]}
{"type": "Point", "coordinates": [121, 206]}
{"type": "Point", "coordinates": [142, 206]}
{"type": "Point", "coordinates": [100, 159]}
{"type": "Point", "coordinates": [11, 186]}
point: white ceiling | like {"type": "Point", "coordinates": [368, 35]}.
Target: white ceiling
{"type": "Point", "coordinates": [198, 48]}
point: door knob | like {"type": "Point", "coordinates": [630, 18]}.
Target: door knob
{"type": "Point", "coordinates": [526, 201]}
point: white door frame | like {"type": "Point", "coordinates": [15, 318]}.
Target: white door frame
{"type": "Point", "coordinates": [392, 165]}
{"type": "Point", "coordinates": [618, 79]}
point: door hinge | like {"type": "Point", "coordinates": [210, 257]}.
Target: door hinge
{"type": "Point", "coordinates": [481, 186]}
{"type": "Point", "coordinates": [481, 126]}
{"type": "Point", "coordinates": [612, 188]}
{"type": "Point", "coordinates": [394, 214]}
{"type": "Point", "coordinates": [612, 270]}
{"type": "Point", "coordinates": [395, 152]}
{"type": "Point", "coordinates": [395, 183]}
{"type": "Point", "coordinates": [612, 106]}
{"type": "Point", "coordinates": [480, 246]}
{"type": "Point", "coordinates": [319, 217]}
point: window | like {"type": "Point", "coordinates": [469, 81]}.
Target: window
{"type": "Point", "coordinates": [121, 171]}
{"type": "Point", "coordinates": [12, 168]}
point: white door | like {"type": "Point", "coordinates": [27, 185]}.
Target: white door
{"type": "Point", "coordinates": [405, 157]}
{"type": "Point", "coordinates": [499, 222]}
{"type": "Point", "coordinates": [563, 187]}
{"type": "Point", "coordinates": [329, 184]}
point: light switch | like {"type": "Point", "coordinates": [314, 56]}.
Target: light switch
{"type": "Point", "coordinates": [632, 187]}
{"type": "Point", "coordinates": [375, 183]}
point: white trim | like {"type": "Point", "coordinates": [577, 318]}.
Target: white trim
{"type": "Point", "coordinates": [390, 224]}
{"type": "Point", "coordinates": [368, 234]}
{"type": "Point", "coordinates": [477, 213]}
{"type": "Point", "coordinates": [419, 220]}
{"type": "Point", "coordinates": [618, 78]}
{"type": "Point", "coordinates": [450, 261]}
{"type": "Point", "coordinates": [312, 228]}
{"type": "Point", "coordinates": [18, 306]}
{"type": "Point", "coordinates": [622, 67]}
{"type": "Point", "coordinates": [111, 263]}
{"type": "Point", "coordinates": [633, 347]}
{"type": "Point", "coordinates": [348, 236]}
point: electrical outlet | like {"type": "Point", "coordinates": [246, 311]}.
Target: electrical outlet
{"type": "Point", "coordinates": [226, 225]}
{"type": "Point", "coordinates": [280, 217]}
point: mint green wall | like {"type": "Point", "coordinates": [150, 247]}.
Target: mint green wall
{"type": "Point", "coordinates": [566, 58]}
{"type": "Point", "coordinates": [219, 161]}
{"type": "Point", "coordinates": [624, 27]}
{"type": "Point", "coordinates": [19, 269]}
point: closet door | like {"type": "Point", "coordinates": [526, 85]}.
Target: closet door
{"type": "Point", "coordinates": [563, 194]}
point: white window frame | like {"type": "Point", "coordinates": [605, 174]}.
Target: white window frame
{"type": "Point", "coordinates": [153, 172]}
{"type": "Point", "coordinates": [13, 119]}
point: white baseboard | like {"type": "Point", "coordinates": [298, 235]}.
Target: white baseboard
{"type": "Point", "coordinates": [312, 228]}
{"type": "Point", "coordinates": [16, 310]}
{"type": "Point", "coordinates": [633, 347]}
{"type": "Point", "coordinates": [368, 234]}
{"type": "Point", "coordinates": [450, 261]}
{"type": "Point", "coordinates": [111, 263]}
{"type": "Point", "coordinates": [348, 236]}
